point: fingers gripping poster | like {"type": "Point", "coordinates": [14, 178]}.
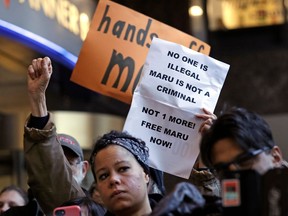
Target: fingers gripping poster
{"type": "Point", "coordinates": [176, 84]}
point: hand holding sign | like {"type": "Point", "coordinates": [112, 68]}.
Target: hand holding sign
{"type": "Point", "coordinates": [207, 118]}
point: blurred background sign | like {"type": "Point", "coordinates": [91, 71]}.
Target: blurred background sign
{"type": "Point", "coordinates": [234, 14]}
{"type": "Point", "coordinates": [56, 27]}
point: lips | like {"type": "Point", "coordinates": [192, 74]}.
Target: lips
{"type": "Point", "coordinates": [117, 193]}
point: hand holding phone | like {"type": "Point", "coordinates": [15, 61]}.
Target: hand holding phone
{"type": "Point", "coordinates": [73, 210]}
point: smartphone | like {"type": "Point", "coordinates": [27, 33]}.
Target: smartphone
{"type": "Point", "coordinates": [73, 210]}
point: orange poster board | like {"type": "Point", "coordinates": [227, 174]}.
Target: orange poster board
{"type": "Point", "coordinates": [112, 56]}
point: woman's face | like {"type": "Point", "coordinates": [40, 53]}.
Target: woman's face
{"type": "Point", "coordinates": [121, 181]}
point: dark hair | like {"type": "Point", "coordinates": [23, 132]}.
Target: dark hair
{"type": "Point", "coordinates": [19, 190]}
{"type": "Point", "coordinates": [248, 129]}
{"type": "Point", "coordinates": [93, 208]}
{"type": "Point", "coordinates": [135, 146]}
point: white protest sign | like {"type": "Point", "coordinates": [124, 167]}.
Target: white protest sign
{"type": "Point", "coordinates": [176, 84]}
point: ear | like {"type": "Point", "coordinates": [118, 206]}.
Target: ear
{"type": "Point", "coordinates": [96, 196]}
{"type": "Point", "coordinates": [277, 156]}
{"type": "Point", "coordinates": [146, 177]}
{"type": "Point", "coordinates": [85, 167]}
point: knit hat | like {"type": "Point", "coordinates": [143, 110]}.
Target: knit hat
{"type": "Point", "coordinates": [71, 143]}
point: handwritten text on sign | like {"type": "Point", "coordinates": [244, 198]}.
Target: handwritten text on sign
{"type": "Point", "coordinates": [112, 56]}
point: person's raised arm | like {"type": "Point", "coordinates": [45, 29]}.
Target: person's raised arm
{"type": "Point", "coordinates": [38, 77]}
{"type": "Point", "coordinates": [50, 175]}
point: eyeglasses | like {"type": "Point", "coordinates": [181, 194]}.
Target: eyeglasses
{"type": "Point", "coordinates": [243, 161]}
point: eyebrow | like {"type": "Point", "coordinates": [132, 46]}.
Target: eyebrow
{"type": "Point", "coordinates": [117, 163]}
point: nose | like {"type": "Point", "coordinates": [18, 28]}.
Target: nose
{"type": "Point", "coordinates": [4, 207]}
{"type": "Point", "coordinates": [114, 178]}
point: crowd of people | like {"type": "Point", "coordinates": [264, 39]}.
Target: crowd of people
{"type": "Point", "coordinates": [124, 184]}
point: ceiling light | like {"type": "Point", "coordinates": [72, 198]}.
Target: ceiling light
{"type": "Point", "coordinates": [195, 10]}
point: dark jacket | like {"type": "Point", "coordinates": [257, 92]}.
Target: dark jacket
{"type": "Point", "coordinates": [49, 173]}
{"type": "Point", "coordinates": [185, 199]}
{"type": "Point", "coordinates": [31, 209]}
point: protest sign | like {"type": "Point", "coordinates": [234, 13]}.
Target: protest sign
{"type": "Point", "coordinates": [176, 84]}
{"type": "Point", "coordinates": [112, 56]}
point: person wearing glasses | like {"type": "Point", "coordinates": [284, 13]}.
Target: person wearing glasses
{"type": "Point", "coordinates": [239, 140]}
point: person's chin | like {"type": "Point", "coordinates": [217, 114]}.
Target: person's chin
{"type": "Point", "coordinates": [121, 201]}
{"type": "Point", "coordinates": [121, 206]}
